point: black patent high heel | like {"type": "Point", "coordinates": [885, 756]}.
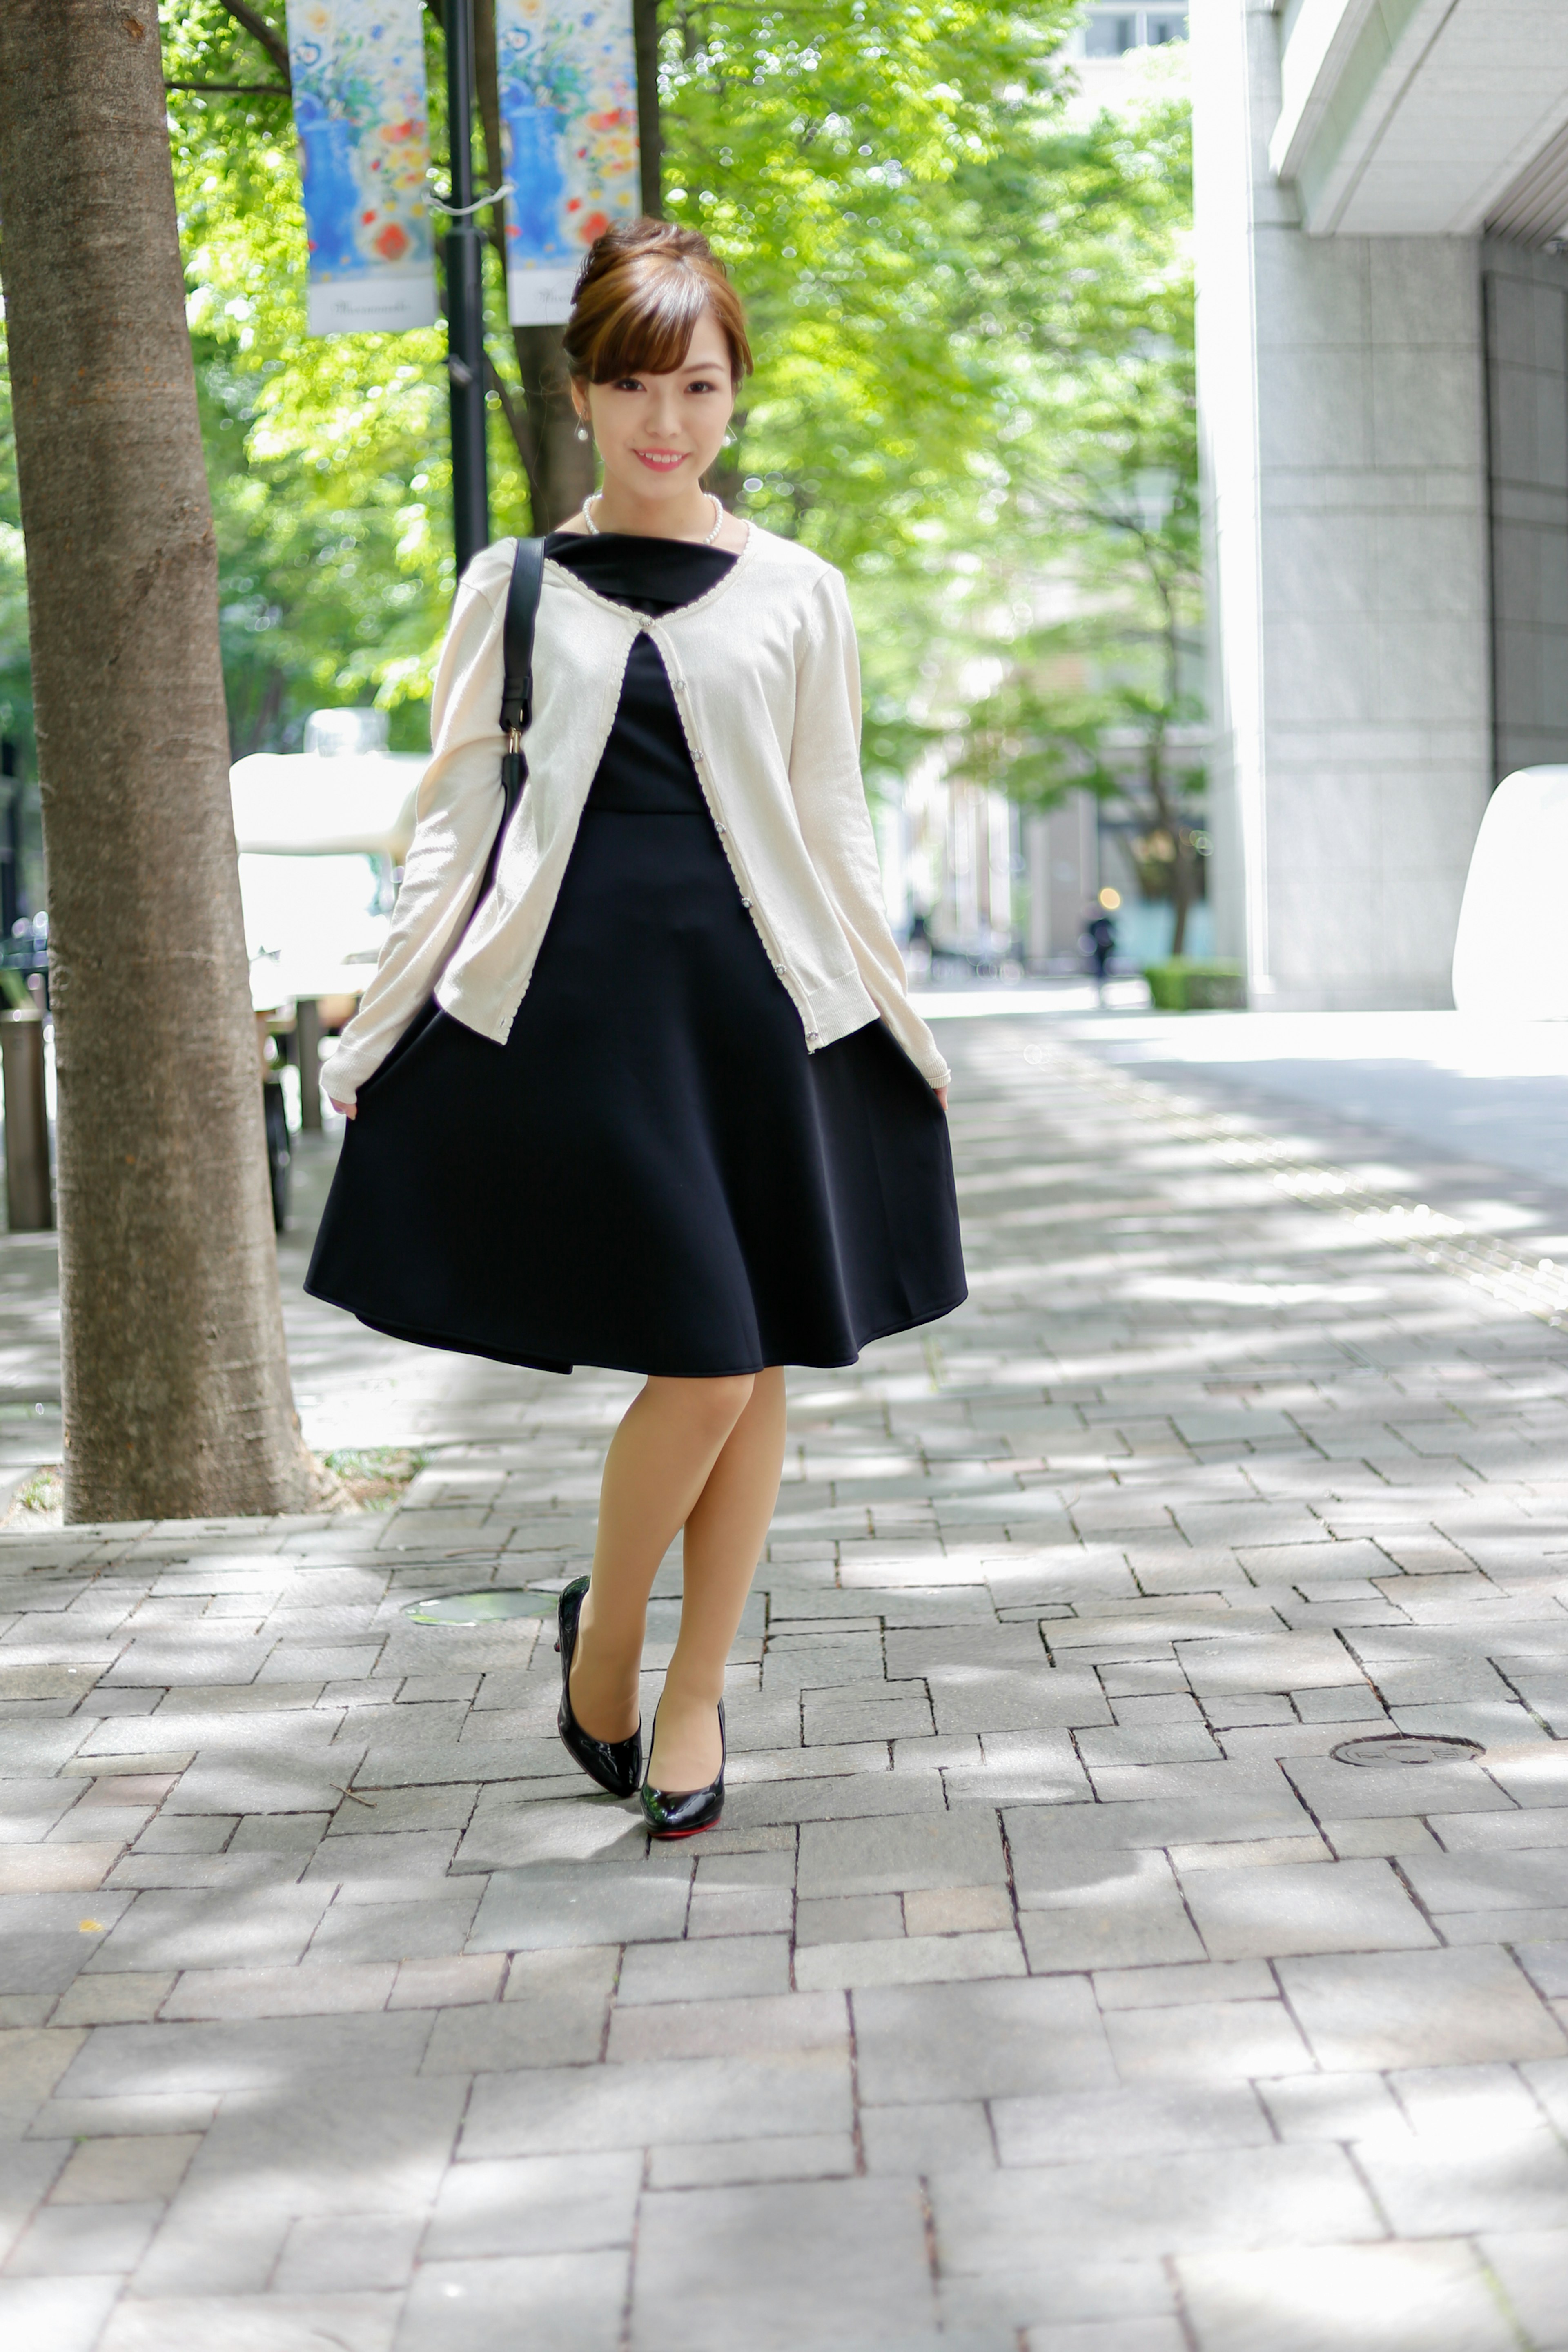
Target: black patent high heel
{"type": "Point", "coordinates": [671, 1816]}
{"type": "Point", "coordinates": [614, 1764]}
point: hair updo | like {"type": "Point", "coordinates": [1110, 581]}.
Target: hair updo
{"type": "Point", "coordinates": [637, 301]}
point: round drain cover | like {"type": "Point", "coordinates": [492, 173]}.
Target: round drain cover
{"type": "Point", "coordinates": [481, 1608]}
{"type": "Point", "coordinates": [1391, 1748]}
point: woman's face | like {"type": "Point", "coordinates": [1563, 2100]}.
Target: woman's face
{"type": "Point", "coordinates": [658, 435]}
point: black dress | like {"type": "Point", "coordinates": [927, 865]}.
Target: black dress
{"type": "Point", "coordinates": [653, 1173]}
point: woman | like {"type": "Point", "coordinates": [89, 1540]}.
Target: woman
{"type": "Point", "coordinates": [660, 1102]}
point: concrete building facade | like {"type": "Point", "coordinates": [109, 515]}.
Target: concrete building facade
{"type": "Point", "coordinates": [1382, 350]}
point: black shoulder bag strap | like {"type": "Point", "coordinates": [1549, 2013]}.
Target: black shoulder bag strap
{"type": "Point", "coordinates": [517, 693]}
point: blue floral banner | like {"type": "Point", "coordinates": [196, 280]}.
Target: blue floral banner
{"type": "Point", "coordinates": [361, 116]}
{"type": "Point", "coordinates": [569, 118]}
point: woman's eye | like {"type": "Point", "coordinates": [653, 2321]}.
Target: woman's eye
{"type": "Point", "coordinates": [628, 383]}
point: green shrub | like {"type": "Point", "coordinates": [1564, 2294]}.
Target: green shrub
{"type": "Point", "coordinates": [1181, 984]}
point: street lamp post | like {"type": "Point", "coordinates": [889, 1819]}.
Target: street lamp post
{"type": "Point", "coordinates": [464, 298]}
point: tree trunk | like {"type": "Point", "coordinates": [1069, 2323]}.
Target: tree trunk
{"type": "Point", "coordinates": [176, 1380]}
{"type": "Point", "coordinates": [560, 468]}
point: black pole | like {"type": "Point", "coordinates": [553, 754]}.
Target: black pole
{"type": "Point", "coordinates": [464, 299]}
{"type": "Point", "coordinates": [10, 839]}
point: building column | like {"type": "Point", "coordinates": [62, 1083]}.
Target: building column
{"type": "Point", "coordinates": [1342, 394]}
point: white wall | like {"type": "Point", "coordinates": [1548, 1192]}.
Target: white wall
{"type": "Point", "coordinates": [1340, 383]}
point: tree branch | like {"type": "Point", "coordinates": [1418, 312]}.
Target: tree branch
{"type": "Point", "coordinates": [243, 89]}
{"type": "Point", "coordinates": [275, 43]}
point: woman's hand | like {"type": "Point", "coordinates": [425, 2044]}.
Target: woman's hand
{"type": "Point", "coordinates": [344, 1110]}
{"type": "Point", "coordinates": [941, 1093]}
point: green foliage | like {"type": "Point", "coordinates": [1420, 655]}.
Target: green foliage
{"type": "Point", "coordinates": [973, 330]}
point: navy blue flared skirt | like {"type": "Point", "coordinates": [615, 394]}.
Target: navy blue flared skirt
{"type": "Point", "coordinates": [652, 1173]}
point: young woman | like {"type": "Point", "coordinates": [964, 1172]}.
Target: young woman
{"type": "Point", "coordinates": [660, 1102]}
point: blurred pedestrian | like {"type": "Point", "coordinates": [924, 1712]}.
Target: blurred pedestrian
{"type": "Point", "coordinates": [1099, 938]}
{"type": "Point", "coordinates": [661, 1103]}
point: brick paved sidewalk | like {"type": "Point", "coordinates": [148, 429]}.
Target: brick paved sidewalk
{"type": "Point", "coordinates": [1052, 1983]}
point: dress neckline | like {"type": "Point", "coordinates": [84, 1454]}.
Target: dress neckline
{"type": "Point", "coordinates": [653, 575]}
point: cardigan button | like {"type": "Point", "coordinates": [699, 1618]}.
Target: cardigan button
{"type": "Point", "coordinates": [746, 902]}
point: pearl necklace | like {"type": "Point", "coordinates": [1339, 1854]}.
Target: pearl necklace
{"type": "Point", "coordinates": [595, 496]}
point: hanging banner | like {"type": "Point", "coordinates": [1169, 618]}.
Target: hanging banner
{"type": "Point", "coordinates": [360, 113]}
{"type": "Point", "coordinates": [569, 118]}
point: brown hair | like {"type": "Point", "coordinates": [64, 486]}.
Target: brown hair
{"type": "Point", "coordinates": [639, 298]}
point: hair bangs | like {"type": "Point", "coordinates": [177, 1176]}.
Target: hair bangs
{"type": "Point", "coordinates": [649, 329]}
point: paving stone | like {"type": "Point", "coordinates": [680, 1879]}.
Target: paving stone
{"type": "Point", "coordinates": [1482, 1882]}
{"type": "Point", "coordinates": [910, 1960]}
{"type": "Point", "coordinates": [1166, 1987]}
{"type": "Point", "coordinates": [1397, 2298]}
{"type": "Point", "coordinates": [1397, 1833]}
{"type": "Point", "coordinates": [1340, 1907]}
{"type": "Point", "coordinates": [717, 1969]}
{"type": "Point", "coordinates": [74, 2241]}
{"type": "Point", "coordinates": [829, 2155]}
{"type": "Point", "coordinates": [1497, 1833]}
{"type": "Point", "coordinates": [45, 1869]}
{"type": "Point", "coordinates": [531, 1910]}
{"type": "Point", "coordinates": [534, 2205]}
{"type": "Point", "coordinates": [581, 2110]}
{"type": "Point", "coordinates": [320, 1991]}
{"type": "Point", "coordinates": [1112, 1910]}
{"type": "Point", "coordinates": [867, 2283]}
{"type": "Point", "coordinates": [848, 1918]}
{"type": "Point", "coordinates": [1206, 2041]}
{"type": "Point", "coordinates": [1068, 2126]}
{"type": "Point", "coordinates": [1068, 2291]}
{"type": "Point", "coordinates": [553, 2303]}
{"type": "Point", "coordinates": [432, 1930]}
{"type": "Point", "coordinates": [55, 2314]}
{"type": "Point", "coordinates": [1418, 2009]}
{"type": "Point", "coordinates": [924, 2139]}
{"type": "Point", "coordinates": [761, 2026]}
{"type": "Point", "coordinates": [1143, 2207]}
{"type": "Point", "coordinates": [131, 2170]}
{"type": "Point", "coordinates": [270, 2323]}
{"type": "Point", "coordinates": [917, 2044]}
{"type": "Point", "coordinates": [869, 1711]}
{"type": "Point", "coordinates": [187, 1931]}
{"type": "Point", "coordinates": [138, 2114]}
{"type": "Point", "coordinates": [122, 1999]}
{"type": "Point", "coordinates": [1532, 2269]}
{"type": "Point", "coordinates": [405, 1854]}
{"type": "Point", "coordinates": [1335, 2106]}
{"type": "Point", "coordinates": [1108, 2336]}
{"type": "Point", "coordinates": [883, 1858]}
{"type": "Point", "coordinates": [957, 1910]}
{"type": "Point", "coordinates": [1344, 1791]}
{"type": "Point", "coordinates": [844, 1797]}
{"type": "Point", "coordinates": [124, 2060]}
{"type": "Point", "coordinates": [348, 2251]}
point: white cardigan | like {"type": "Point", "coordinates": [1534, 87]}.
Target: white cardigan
{"type": "Point", "coordinates": [766, 679]}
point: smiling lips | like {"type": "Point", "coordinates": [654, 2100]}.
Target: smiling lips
{"type": "Point", "coordinates": [663, 461]}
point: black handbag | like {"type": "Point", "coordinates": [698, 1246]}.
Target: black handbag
{"type": "Point", "coordinates": [516, 711]}
{"type": "Point", "coordinates": [517, 691]}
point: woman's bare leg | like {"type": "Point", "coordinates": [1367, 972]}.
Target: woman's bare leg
{"type": "Point", "coordinates": [658, 1463]}
{"type": "Point", "coordinates": [725, 1531]}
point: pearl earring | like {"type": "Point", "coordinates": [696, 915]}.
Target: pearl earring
{"type": "Point", "coordinates": [582, 433]}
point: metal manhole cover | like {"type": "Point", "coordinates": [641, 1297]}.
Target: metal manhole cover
{"type": "Point", "coordinates": [481, 1608]}
{"type": "Point", "coordinates": [1387, 1748]}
